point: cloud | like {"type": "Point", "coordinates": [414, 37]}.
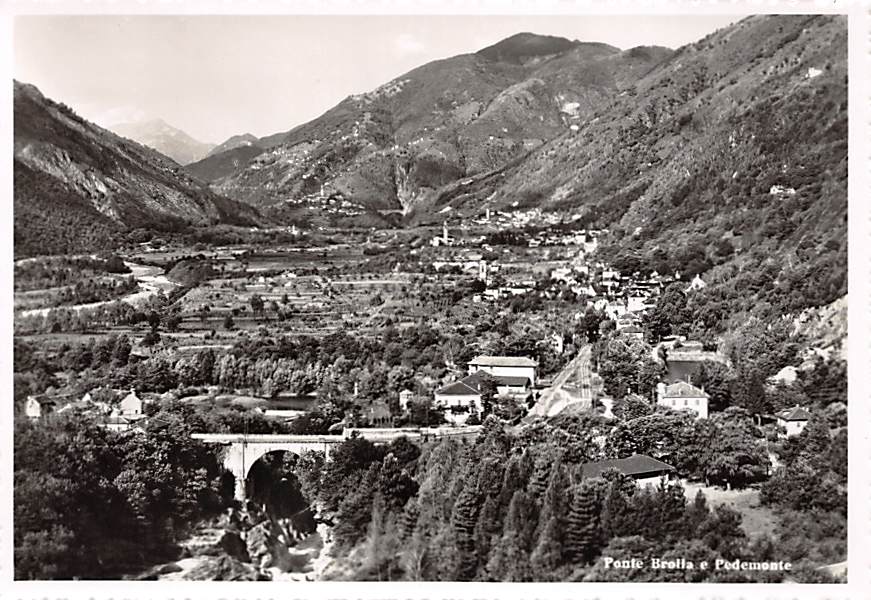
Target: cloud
{"type": "Point", "coordinates": [406, 44]}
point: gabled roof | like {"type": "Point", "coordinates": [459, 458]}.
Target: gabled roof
{"type": "Point", "coordinates": [503, 361]}
{"type": "Point", "coordinates": [634, 466]}
{"type": "Point", "coordinates": [457, 388]}
{"type": "Point", "coordinates": [682, 389]}
{"type": "Point", "coordinates": [796, 413]}
{"type": "Point", "coordinates": [474, 380]}
{"type": "Point", "coordinates": [43, 400]}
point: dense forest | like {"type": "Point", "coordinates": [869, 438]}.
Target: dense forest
{"type": "Point", "coordinates": [511, 506]}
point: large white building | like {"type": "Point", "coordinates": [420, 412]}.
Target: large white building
{"type": "Point", "coordinates": [509, 366]}
{"type": "Point", "coordinates": [682, 396]}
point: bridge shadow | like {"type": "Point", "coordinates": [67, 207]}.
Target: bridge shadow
{"type": "Point", "coordinates": [274, 491]}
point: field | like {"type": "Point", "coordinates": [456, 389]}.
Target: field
{"type": "Point", "coordinates": [757, 520]}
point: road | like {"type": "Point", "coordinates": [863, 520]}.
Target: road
{"type": "Point", "coordinates": [573, 384]}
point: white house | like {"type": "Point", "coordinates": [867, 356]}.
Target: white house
{"type": "Point", "coordinates": [405, 397]}
{"type": "Point", "coordinates": [461, 398]}
{"type": "Point", "coordinates": [130, 405]}
{"type": "Point", "coordinates": [38, 406]}
{"type": "Point", "coordinates": [696, 284]}
{"type": "Point", "coordinates": [459, 401]}
{"type": "Point", "coordinates": [682, 396]}
{"type": "Point", "coordinates": [794, 420]}
{"type": "Point", "coordinates": [510, 366]}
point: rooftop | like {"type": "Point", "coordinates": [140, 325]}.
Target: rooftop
{"type": "Point", "coordinates": [634, 466]}
{"type": "Point", "coordinates": [682, 389]}
{"type": "Point", "coordinates": [796, 413]}
{"type": "Point", "coordinates": [474, 380]}
{"type": "Point", "coordinates": [503, 361]}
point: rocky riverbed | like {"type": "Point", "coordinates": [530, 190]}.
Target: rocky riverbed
{"type": "Point", "coordinates": [268, 550]}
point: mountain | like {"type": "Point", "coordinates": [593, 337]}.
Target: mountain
{"type": "Point", "coordinates": [78, 186]}
{"type": "Point", "coordinates": [729, 159]}
{"type": "Point", "coordinates": [236, 141]}
{"type": "Point", "coordinates": [392, 149]}
{"type": "Point", "coordinates": [166, 139]}
{"type": "Point", "coordinates": [225, 163]}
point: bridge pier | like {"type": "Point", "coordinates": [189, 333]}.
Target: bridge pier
{"type": "Point", "coordinates": [239, 491]}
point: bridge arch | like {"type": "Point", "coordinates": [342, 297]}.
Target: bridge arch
{"type": "Point", "coordinates": [242, 451]}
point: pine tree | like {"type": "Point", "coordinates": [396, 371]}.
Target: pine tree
{"type": "Point", "coordinates": [547, 556]}
{"type": "Point", "coordinates": [488, 528]}
{"type": "Point", "coordinates": [408, 519]}
{"type": "Point", "coordinates": [582, 524]}
{"type": "Point", "coordinates": [464, 518]}
{"type": "Point", "coordinates": [696, 514]}
{"type": "Point", "coordinates": [509, 560]}
{"type": "Point", "coordinates": [616, 513]}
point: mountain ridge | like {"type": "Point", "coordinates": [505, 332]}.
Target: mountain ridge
{"type": "Point", "coordinates": [78, 186]}
{"type": "Point", "coordinates": [165, 138]}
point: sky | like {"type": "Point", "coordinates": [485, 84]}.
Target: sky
{"type": "Point", "coordinates": [218, 76]}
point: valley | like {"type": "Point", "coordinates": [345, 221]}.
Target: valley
{"type": "Point", "coordinates": [507, 314]}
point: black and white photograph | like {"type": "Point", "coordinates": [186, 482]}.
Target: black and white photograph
{"type": "Point", "coordinates": [553, 298]}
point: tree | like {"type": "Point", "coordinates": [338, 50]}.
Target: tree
{"type": "Point", "coordinates": [547, 556]}
{"type": "Point", "coordinates": [631, 407]}
{"type": "Point", "coordinates": [748, 390]}
{"type": "Point", "coordinates": [229, 325]}
{"type": "Point", "coordinates": [465, 515]}
{"type": "Point", "coordinates": [509, 560]}
{"type": "Point", "coordinates": [669, 313]}
{"type": "Point", "coordinates": [716, 379]}
{"type": "Point", "coordinates": [256, 304]}
{"type": "Point", "coordinates": [582, 535]}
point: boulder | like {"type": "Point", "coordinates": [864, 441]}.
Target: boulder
{"type": "Point", "coordinates": [224, 568]}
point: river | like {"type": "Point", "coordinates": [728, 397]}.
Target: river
{"type": "Point", "coordinates": [307, 560]}
{"type": "Point", "coordinates": [150, 280]}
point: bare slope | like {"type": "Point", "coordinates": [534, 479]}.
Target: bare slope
{"type": "Point", "coordinates": [76, 184]}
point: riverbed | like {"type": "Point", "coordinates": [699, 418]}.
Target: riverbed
{"type": "Point", "coordinates": [151, 280]}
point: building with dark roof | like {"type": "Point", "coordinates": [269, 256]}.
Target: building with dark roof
{"type": "Point", "coordinates": [793, 420]}
{"type": "Point", "coordinates": [645, 470]}
{"type": "Point", "coordinates": [461, 398]}
{"type": "Point", "coordinates": [510, 366]}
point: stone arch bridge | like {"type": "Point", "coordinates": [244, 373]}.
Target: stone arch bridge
{"type": "Point", "coordinates": [243, 450]}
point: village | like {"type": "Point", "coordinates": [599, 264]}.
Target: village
{"type": "Point", "coordinates": [550, 282]}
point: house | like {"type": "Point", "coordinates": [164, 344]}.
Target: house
{"type": "Point", "coordinates": [117, 423]}
{"type": "Point", "coordinates": [37, 407]}
{"type": "Point", "coordinates": [510, 366]}
{"type": "Point", "coordinates": [461, 398]}
{"type": "Point", "coordinates": [794, 420]}
{"type": "Point", "coordinates": [633, 331]}
{"type": "Point", "coordinates": [459, 401]}
{"type": "Point", "coordinates": [379, 415]}
{"type": "Point", "coordinates": [696, 284]}
{"type": "Point", "coordinates": [681, 396]}
{"type": "Point", "coordinates": [644, 469]}
{"type": "Point", "coordinates": [405, 397]}
{"type": "Point", "coordinates": [130, 405]}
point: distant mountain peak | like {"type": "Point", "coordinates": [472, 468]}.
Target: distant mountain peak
{"type": "Point", "coordinates": [525, 46]}
{"type": "Point", "coordinates": [165, 138]}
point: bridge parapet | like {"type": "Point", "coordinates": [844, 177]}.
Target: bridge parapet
{"type": "Point", "coordinates": [243, 450]}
